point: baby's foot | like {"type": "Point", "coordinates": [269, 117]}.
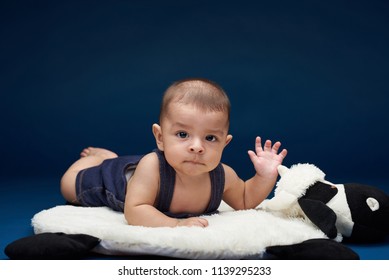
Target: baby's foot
{"type": "Point", "coordinates": [92, 151]}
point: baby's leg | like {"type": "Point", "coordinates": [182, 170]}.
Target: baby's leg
{"type": "Point", "coordinates": [89, 157]}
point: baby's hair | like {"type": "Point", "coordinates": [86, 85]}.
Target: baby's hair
{"type": "Point", "coordinates": [204, 94]}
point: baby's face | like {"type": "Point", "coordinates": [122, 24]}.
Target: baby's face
{"type": "Point", "coordinates": [193, 140]}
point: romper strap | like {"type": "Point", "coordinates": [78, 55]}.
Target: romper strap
{"type": "Point", "coordinates": [217, 184]}
{"type": "Point", "coordinates": [167, 182]}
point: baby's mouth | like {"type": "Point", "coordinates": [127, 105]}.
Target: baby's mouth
{"type": "Point", "coordinates": [195, 162]}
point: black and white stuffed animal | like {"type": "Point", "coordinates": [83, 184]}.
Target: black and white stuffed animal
{"type": "Point", "coordinates": [350, 212]}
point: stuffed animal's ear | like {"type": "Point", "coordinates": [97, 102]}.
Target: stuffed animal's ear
{"type": "Point", "coordinates": [282, 170]}
{"type": "Point", "coordinates": [320, 215]}
{"type": "Point", "coordinates": [321, 191]}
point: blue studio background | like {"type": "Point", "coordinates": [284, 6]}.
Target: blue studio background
{"type": "Point", "coordinates": [312, 74]}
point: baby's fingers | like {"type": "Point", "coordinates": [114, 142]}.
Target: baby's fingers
{"type": "Point", "coordinates": [276, 147]}
{"type": "Point", "coordinates": [283, 153]}
{"type": "Point", "coordinates": [253, 156]}
{"type": "Point", "coordinates": [196, 222]}
{"type": "Point", "coordinates": [202, 222]}
{"type": "Point", "coordinates": [275, 150]}
{"type": "Point", "coordinates": [267, 146]}
{"type": "Point", "coordinates": [258, 145]}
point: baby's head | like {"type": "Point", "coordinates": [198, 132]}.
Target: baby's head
{"type": "Point", "coordinates": [194, 123]}
{"type": "Point", "coordinates": [205, 95]}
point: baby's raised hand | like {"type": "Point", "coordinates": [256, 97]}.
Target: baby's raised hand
{"type": "Point", "coordinates": [267, 159]}
{"type": "Point", "coordinates": [193, 221]}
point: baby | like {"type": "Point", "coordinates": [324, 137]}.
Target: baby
{"type": "Point", "coordinates": [183, 179]}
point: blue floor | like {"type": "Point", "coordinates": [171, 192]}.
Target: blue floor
{"type": "Point", "coordinates": [22, 199]}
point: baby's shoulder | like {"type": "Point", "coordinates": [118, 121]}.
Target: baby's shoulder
{"type": "Point", "coordinates": [231, 178]}
{"type": "Point", "coordinates": [228, 171]}
{"type": "Point", "coordinates": [147, 170]}
{"type": "Point", "coordinates": [150, 160]}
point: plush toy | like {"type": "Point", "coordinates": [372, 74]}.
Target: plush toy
{"type": "Point", "coordinates": [350, 212]}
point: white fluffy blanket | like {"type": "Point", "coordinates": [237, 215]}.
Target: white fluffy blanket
{"type": "Point", "coordinates": [230, 234]}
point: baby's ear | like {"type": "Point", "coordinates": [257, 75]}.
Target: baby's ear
{"type": "Point", "coordinates": [228, 139]}
{"type": "Point", "coordinates": [157, 131]}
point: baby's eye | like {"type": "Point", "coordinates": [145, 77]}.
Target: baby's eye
{"type": "Point", "coordinates": [182, 134]}
{"type": "Point", "coordinates": [210, 138]}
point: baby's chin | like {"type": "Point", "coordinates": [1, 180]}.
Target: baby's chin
{"type": "Point", "coordinates": [193, 169]}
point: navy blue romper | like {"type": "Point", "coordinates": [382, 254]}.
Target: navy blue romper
{"type": "Point", "coordinates": [105, 185]}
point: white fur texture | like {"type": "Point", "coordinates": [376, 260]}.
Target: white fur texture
{"type": "Point", "coordinates": [230, 234]}
{"type": "Point", "coordinates": [292, 185]}
{"type": "Point", "coordinates": [298, 178]}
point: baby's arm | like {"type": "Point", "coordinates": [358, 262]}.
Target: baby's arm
{"type": "Point", "coordinates": [265, 161]}
{"type": "Point", "coordinates": [142, 191]}
{"type": "Point", "coordinates": [247, 195]}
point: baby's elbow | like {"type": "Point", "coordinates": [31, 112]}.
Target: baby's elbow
{"type": "Point", "coordinates": [237, 206]}
{"type": "Point", "coordinates": [240, 207]}
{"type": "Point", "coordinates": [129, 216]}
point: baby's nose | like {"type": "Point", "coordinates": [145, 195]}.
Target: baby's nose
{"type": "Point", "coordinates": [197, 147]}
